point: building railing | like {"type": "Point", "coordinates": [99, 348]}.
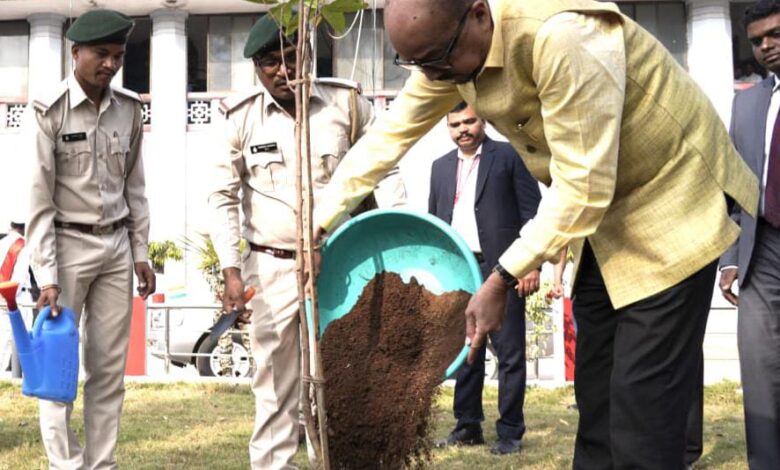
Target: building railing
{"type": "Point", "coordinates": [201, 109]}
{"type": "Point", "coordinates": [11, 112]}
{"type": "Point", "coordinates": [166, 354]}
{"type": "Point", "coordinates": [154, 328]}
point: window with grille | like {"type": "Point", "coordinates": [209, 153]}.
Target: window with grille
{"type": "Point", "coordinates": [664, 20]}
{"type": "Point", "coordinates": [14, 47]}
{"type": "Point", "coordinates": [215, 53]}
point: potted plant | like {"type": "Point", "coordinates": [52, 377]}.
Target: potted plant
{"type": "Point", "coordinates": [160, 252]}
{"type": "Point", "coordinates": [229, 355]}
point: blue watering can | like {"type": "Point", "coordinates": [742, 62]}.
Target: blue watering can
{"type": "Point", "coordinates": [407, 243]}
{"type": "Point", "coordinates": [49, 354]}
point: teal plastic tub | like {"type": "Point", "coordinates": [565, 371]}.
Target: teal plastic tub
{"type": "Point", "coordinates": [407, 243]}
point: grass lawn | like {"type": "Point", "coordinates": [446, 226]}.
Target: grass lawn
{"type": "Point", "coordinates": [207, 426]}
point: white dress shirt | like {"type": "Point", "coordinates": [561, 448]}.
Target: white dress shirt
{"type": "Point", "coordinates": [464, 221]}
{"type": "Point", "coordinates": [771, 117]}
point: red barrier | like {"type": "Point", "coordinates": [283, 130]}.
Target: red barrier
{"type": "Point", "coordinates": [569, 339]}
{"type": "Point", "coordinates": [136, 353]}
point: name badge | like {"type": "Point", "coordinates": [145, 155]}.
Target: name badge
{"type": "Point", "coordinates": [75, 137]}
{"type": "Point", "coordinates": [269, 147]}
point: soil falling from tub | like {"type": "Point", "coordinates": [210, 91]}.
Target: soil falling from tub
{"type": "Point", "coordinates": [383, 362]}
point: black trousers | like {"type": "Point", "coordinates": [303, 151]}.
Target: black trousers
{"type": "Point", "coordinates": [636, 371]}
{"type": "Point", "coordinates": [694, 438]}
{"type": "Point", "coordinates": [758, 338]}
{"type": "Point", "coordinates": [509, 343]}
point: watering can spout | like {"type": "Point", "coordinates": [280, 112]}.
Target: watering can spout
{"type": "Point", "coordinates": [21, 336]}
{"type": "Point", "coordinates": [8, 291]}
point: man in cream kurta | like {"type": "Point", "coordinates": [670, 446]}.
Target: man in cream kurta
{"type": "Point", "coordinates": [88, 229]}
{"type": "Point", "coordinates": [256, 174]}
{"type": "Point", "coordinates": [640, 170]}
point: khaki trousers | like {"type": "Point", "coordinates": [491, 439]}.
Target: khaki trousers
{"type": "Point", "coordinates": [95, 274]}
{"type": "Point", "coordinates": [275, 342]}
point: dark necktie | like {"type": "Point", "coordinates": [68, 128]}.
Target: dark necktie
{"type": "Point", "coordinates": [772, 189]}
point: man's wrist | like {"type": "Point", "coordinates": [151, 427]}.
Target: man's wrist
{"type": "Point", "coordinates": [231, 273]}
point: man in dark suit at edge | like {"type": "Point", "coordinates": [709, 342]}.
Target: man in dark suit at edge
{"type": "Point", "coordinates": [754, 259]}
{"type": "Point", "coordinates": [485, 192]}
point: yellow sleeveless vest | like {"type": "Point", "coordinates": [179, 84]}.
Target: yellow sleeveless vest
{"type": "Point", "coordinates": [668, 217]}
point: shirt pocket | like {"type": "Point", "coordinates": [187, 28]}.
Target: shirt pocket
{"type": "Point", "coordinates": [266, 170]}
{"type": "Point", "coordinates": [533, 128]}
{"type": "Point", "coordinates": [118, 153]}
{"type": "Point", "coordinates": [331, 150]}
{"type": "Point", "coordinates": [73, 158]}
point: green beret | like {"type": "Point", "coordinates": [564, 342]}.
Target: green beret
{"type": "Point", "coordinates": [265, 32]}
{"type": "Point", "coordinates": [100, 26]}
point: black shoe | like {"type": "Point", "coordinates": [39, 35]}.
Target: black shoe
{"type": "Point", "coordinates": [468, 436]}
{"type": "Point", "coordinates": [506, 446]}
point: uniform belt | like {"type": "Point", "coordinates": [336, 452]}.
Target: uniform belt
{"type": "Point", "coordinates": [92, 229]}
{"type": "Point", "coordinates": [480, 258]}
{"type": "Point", "coordinates": [275, 252]}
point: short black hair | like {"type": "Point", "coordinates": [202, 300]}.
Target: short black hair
{"type": "Point", "coordinates": [459, 107]}
{"type": "Point", "coordinates": [760, 10]}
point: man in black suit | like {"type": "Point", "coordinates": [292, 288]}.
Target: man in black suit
{"type": "Point", "coordinates": [484, 191]}
{"type": "Point", "coordinates": [754, 260]}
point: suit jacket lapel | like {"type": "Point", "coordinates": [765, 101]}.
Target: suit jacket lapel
{"type": "Point", "coordinates": [450, 177]}
{"type": "Point", "coordinates": [762, 109]}
{"type": "Point", "coordinates": [485, 162]}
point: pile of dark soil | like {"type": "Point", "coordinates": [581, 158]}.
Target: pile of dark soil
{"type": "Point", "coordinates": [382, 363]}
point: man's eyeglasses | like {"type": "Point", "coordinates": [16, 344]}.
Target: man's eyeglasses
{"type": "Point", "coordinates": [442, 63]}
{"type": "Point", "coordinates": [272, 62]}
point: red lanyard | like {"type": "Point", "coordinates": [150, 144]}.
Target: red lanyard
{"type": "Point", "coordinates": [458, 182]}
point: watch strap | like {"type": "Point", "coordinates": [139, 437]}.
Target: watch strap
{"type": "Point", "coordinates": [506, 276]}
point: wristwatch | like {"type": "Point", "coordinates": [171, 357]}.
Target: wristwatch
{"type": "Point", "coordinates": [506, 276]}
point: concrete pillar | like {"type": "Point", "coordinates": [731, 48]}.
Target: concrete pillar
{"type": "Point", "coordinates": [45, 60]}
{"type": "Point", "coordinates": [165, 149]}
{"type": "Point", "coordinates": [710, 60]}
{"type": "Point", "coordinates": [166, 146]}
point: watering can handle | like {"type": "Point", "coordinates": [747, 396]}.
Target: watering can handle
{"type": "Point", "coordinates": [43, 315]}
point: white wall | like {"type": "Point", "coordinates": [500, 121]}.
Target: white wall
{"type": "Point", "coordinates": [14, 190]}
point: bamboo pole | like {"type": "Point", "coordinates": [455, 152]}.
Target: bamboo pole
{"type": "Point", "coordinates": [318, 435]}
{"type": "Point", "coordinates": [309, 422]}
{"type": "Point", "coordinates": [318, 378]}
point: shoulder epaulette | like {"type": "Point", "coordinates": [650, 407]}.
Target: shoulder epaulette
{"type": "Point", "coordinates": [127, 93]}
{"type": "Point", "coordinates": [340, 82]}
{"type": "Point", "coordinates": [229, 103]}
{"type": "Point", "coordinates": [42, 105]}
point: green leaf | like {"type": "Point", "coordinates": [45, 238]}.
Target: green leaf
{"type": "Point", "coordinates": [345, 6]}
{"type": "Point", "coordinates": [286, 17]}
{"type": "Point", "coordinates": [335, 19]}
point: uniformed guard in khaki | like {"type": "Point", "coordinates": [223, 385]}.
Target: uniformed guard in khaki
{"type": "Point", "coordinates": [89, 222]}
{"type": "Point", "coordinates": [259, 159]}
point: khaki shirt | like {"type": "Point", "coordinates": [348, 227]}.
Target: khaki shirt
{"type": "Point", "coordinates": [259, 159]}
{"type": "Point", "coordinates": [87, 169]}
